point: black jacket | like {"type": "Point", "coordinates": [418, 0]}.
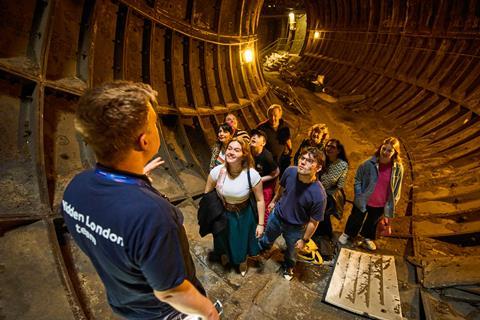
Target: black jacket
{"type": "Point", "coordinates": [211, 214]}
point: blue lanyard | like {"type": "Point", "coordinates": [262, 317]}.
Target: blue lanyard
{"type": "Point", "coordinates": [120, 178]}
{"type": "Point", "coordinates": [134, 181]}
{"type": "Point", "coordinates": [128, 180]}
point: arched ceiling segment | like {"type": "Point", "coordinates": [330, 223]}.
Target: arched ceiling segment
{"type": "Point", "coordinates": [418, 65]}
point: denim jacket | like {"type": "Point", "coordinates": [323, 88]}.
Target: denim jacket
{"type": "Point", "coordinates": [366, 179]}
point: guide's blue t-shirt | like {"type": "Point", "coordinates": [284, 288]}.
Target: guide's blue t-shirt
{"type": "Point", "coordinates": [134, 238]}
{"type": "Point", "coordinates": [300, 201]}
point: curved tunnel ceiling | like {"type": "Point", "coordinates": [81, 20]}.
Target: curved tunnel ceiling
{"type": "Point", "coordinates": [417, 62]}
{"type": "Point", "coordinates": [189, 51]}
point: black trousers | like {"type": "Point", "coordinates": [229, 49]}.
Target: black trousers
{"type": "Point", "coordinates": [367, 226]}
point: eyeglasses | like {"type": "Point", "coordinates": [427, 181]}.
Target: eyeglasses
{"type": "Point", "coordinates": [331, 146]}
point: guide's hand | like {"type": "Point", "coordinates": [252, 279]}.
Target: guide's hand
{"type": "Point", "coordinates": [155, 163]}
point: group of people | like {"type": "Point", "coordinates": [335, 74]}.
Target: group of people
{"type": "Point", "coordinates": [135, 238]}
{"type": "Point", "coordinates": [294, 201]}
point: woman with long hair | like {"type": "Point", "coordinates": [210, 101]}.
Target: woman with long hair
{"type": "Point", "coordinates": [333, 177]}
{"type": "Point", "coordinates": [224, 135]}
{"type": "Point", "coordinates": [377, 187]}
{"type": "Point", "coordinates": [317, 137]}
{"type": "Point", "coordinates": [234, 181]}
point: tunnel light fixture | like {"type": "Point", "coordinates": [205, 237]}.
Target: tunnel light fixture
{"type": "Point", "coordinates": [247, 55]}
{"type": "Point", "coordinates": [291, 17]}
{"type": "Point", "coordinates": [316, 35]}
{"type": "Point", "coordinates": [291, 21]}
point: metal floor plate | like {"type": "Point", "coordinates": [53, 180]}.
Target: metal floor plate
{"type": "Point", "coordinates": [365, 284]}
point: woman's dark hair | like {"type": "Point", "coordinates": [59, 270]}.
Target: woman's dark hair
{"type": "Point", "coordinates": [225, 127]}
{"type": "Point", "coordinates": [341, 152]}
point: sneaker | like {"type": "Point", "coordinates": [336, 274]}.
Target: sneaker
{"type": "Point", "coordinates": [343, 239]}
{"type": "Point", "coordinates": [288, 273]}
{"type": "Point", "coordinates": [242, 267]}
{"type": "Point", "coordinates": [369, 244]}
{"type": "Point", "coordinates": [224, 260]}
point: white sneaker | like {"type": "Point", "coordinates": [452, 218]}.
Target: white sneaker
{"type": "Point", "coordinates": [343, 239]}
{"type": "Point", "coordinates": [242, 267]}
{"type": "Point", "coordinates": [288, 273]}
{"type": "Point", "coordinates": [369, 244]}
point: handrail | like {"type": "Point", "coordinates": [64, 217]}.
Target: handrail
{"type": "Point", "coordinates": [277, 45]}
{"type": "Point", "coordinates": [268, 48]}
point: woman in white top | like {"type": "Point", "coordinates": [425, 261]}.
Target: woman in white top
{"type": "Point", "coordinates": [238, 240]}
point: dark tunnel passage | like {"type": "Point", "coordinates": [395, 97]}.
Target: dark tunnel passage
{"type": "Point", "coordinates": [403, 67]}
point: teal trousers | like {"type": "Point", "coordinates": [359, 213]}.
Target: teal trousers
{"type": "Point", "coordinates": [238, 239]}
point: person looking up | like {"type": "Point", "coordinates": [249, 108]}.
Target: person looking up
{"type": "Point", "coordinates": [317, 137]}
{"type": "Point", "coordinates": [279, 142]}
{"type": "Point", "coordinates": [231, 180]}
{"type": "Point", "coordinates": [224, 135]}
{"type": "Point", "coordinates": [133, 236]}
{"type": "Point", "coordinates": [332, 177]}
{"type": "Point", "coordinates": [232, 121]}
{"type": "Point", "coordinates": [377, 187]}
{"type": "Point", "coordinates": [264, 164]}
{"type": "Point", "coordinates": [297, 207]}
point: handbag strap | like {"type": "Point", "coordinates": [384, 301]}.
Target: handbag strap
{"type": "Point", "coordinates": [220, 181]}
{"type": "Point", "coordinates": [249, 180]}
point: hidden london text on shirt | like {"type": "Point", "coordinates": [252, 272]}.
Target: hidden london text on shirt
{"type": "Point", "coordinates": [91, 228]}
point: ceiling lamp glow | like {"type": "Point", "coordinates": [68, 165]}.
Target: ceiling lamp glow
{"type": "Point", "coordinates": [316, 35]}
{"type": "Point", "coordinates": [291, 21]}
{"type": "Point", "coordinates": [291, 17]}
{"type": "Point", "coordinates": [248, 55]}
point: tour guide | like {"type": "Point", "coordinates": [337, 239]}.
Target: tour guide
{"type": "Point", "coordinates": [134, 237]}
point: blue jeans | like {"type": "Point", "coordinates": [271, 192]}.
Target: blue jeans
{"type": "Point", "coordinates": [291, 233]}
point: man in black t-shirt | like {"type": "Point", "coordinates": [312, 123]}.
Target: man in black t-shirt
{"type": "Point", "coordinates": [133, 236]}
{"type": "Point", "coordinates": [265, 165]}
{"type": "Point", "coordinates": [279, 142]}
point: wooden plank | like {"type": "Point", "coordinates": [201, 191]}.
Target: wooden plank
{"type": "Point", "coordinates": [446, 225]}
{"type": "Point", "coordinates": [475, 289]}
{"type": "Point", "coordinates": [133, 47]}
{"type": "Point", "coordinates": [450, 271]}
{"type": "Point", "coordinates": [365, 284]}
{"type": "Point", "coordinates": [431, 248]}
{"type": "Point", "coordinates": [435, 308]}
{"type": "Point", "coordinates": [104, 42]}
{"type": "Point", "coordinates": [460, 295]}
{"type": "Point", "coordinates": [441, 264]}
